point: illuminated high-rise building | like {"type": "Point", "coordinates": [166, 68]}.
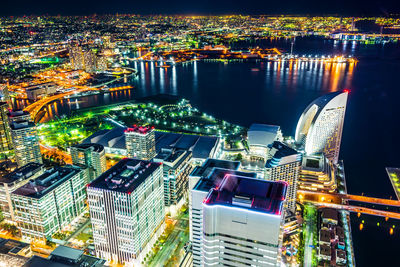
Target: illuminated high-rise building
{"type": "Point", "coordinates": [14, 180]}
{"type": "Point", "coordinates": [140, 142]}
{"type": "Point", "coordinates": [18, 116]}
{"type": "Point", "coordinates": [176, 170]}
{"type": "Point", "coordinates": [202, 179]}
{"type": "Point", "coordinates": [5, 135]}
{"type": "Point", "coordinates": [320, 127]}
{"type": "Point", "coordinates": [92, 156]}
{"type": "Point", "coordinates": [50, 202]}
{"type": "Point", "coordinates": [126, 205]}
{"type": "Point", "coordinates": [83, 58]}
{"type": "Point", "coordinates": [242, 222]}
{"type": "Point", "coordinates": [284, 165]}
{"type": "Point", "coordinates": [25, 141]}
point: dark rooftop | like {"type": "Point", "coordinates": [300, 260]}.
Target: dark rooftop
{"type": "Point", "coordinates": [94, 147]}
{"type": "Point", "coordinates": [22, 173]}
{"type": "Point", "coordinates": [325, 235]}
{"type": "Point", "coordinates": [249, 193]}
{"type": "Point", "coordinates": [10, 246]}
{"type": "Point", "coordinates": [17, 113]}
{"type": "Point", "coordinates": [21, 125]}
{"type": "Point", "coordinates": [125, 176]}
{"type": "Point", "coordinates": [205, 169]}
{"type": "Point", "coordinates": [67, 252]}
{"type": "Point", "coordinates": [216, 175]}
{"type": "Point", "coordinates": [330, 214]}
{"type": "Point", "coordinates": [169, 155]}
{"type": "Point", "coordinates": [46, 182]}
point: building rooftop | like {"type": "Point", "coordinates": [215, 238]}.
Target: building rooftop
{"type": "Point", "coordinates": [216, 175]}
{"type": "Point", "coordinates": [64, 256]}
{"type": "Point", "coordinates": [249, 193]}
{"type": "Point", "coordinates": [67, 252]}
{"type": "Point", "coordinates": [22, 173]}
{"type": "Point", "coordinates": [13, 247]}
{"type": "Point", "coordinates": [262, 134]}
{"type": "Point", "coordinates": [46, 182]}
{"type": "Point", "coordinates": [139, 129]}
{"type": "Point", "coordinates": [21, 125]}
{"type": "Point", "coordinates": [17, 113]}
{"type": "Point", "coordinates": [94, 147]}
{"type": "Point", "coordinates": [278, 151]}
{"type": "Point", "coordinates": [325, 250]}
{"type": "Point", "coordinates": [205, 169]}
{"type": "Point", "coordinates": [125, 176]}
{"type": "Point", "coordinates": [201, 146]}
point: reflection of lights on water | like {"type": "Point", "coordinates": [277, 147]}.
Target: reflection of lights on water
{"type": "Point", "coordinates": [195, 81]}
{"type": "Point", "coordinates": [174, 82]}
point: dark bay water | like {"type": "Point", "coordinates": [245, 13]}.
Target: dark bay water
{"type": "Point", "coordinates": [277, 93]}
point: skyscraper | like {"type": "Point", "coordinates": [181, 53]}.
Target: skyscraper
{"type": "Point", "coordinates": [92, 156]}
{"type": "Point", "coordinates": [50, 202]}
{"type": "Point", "coordinates": [203, 178]}
{"type": "Point", "coordinates": [14, 180]}
{"type": "Point", "coordinates": [320, 127]}
{"type": "Point", "coordinates": [25, 141]}
{"type": "Point", "coordinates": [126, 205]}
{"type": "Point", "coordinates": [284, 165]}
{"type": "Point", "coordinates": [140, 142]}
{"type": "Point", "coordinates": [242, 222]}
{"type": "Point", "coordinates": [5, 135]}
{"type": "Point", "coordinates": [176, 170]}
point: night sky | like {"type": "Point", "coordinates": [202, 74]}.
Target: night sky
{"type": "Point", "coordinates": [202, 7]}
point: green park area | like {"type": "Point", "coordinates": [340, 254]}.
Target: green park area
{"type": "Point", "coordinates": [164, 114]}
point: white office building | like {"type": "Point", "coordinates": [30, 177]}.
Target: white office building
{"type": "Point", "coordinates": [25, 141]}
{"type": "Point", "coordinates": [14, 180]}
{"type": "Point", "coordinates": [203, 178]}
{"type": "Point", "coordinates": [320, 127]}
{"type": "Point", "coordinates": [126, 205]}
{"type": "Point", "coordinates": [242, 222]}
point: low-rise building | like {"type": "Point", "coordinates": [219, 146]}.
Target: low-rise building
{"type": "Point", "coordinates": [317, 174]}
{"type": "Point", "coordinates": [39, 90]}
{"type": "Point", "coordinates": [64, 256]}
{"type": "Point", "coordinates": [259, 136]}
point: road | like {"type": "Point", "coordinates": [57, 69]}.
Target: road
{"type": "Point", "coordinates": [339, 198]}
{"type": "Point", "coordinates": [309, 232]}
{"type": "Point", "coordinates": [175, 241]}
{"type": "Point", "coordinates": [77, 232]}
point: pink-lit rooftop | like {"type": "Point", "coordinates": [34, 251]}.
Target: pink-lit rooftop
{"type": "Point", "coordinates": [139, 129]}
{"type": "Point", "coordinates": [255, 194]}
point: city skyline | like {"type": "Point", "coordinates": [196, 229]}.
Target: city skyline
{"type": "Point", "coordinates": [195, 141]}
{"type": "Point", "coordinates": [224, 7]}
